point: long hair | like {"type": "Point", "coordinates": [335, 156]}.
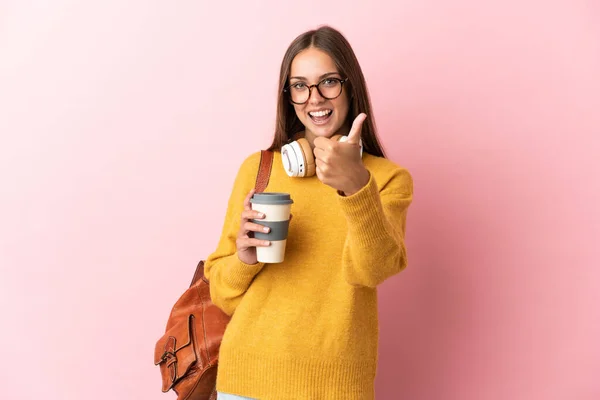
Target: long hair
{"type": "Point", "coordinates": [335, 44]}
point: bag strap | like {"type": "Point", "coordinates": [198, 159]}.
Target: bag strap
{"type": "Point", "coordinates": [264, 170]}
{"type": "Point", "coordinates": [262, 179]}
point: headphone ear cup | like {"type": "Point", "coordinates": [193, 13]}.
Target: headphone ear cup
{"type": "Point", "coordinates": [309, 158]}
{"type": "Point", "coordinates": [290, 153]}
{"type": "Point", "coordinates": [298, 159]}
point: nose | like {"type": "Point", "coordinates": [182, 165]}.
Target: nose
{"type": "Point", "coordinates": [314, 97]}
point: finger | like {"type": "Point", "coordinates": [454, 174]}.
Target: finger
{"type": "Point", "coordinates": [356, 130]}
{"type": "Point", "coordinates": [252, 214]}
{"type": "Point", "coordinates": [247, 204]}
{"type": "Point", "coordinates": [320, 154]}
{"type": "Point", "coordinates": [321, 170]}
{"type": "Point", "coordinates": [253, 227]}
{"type": "Point", "coordinates": [322, 143]}
{"type": "Point", "coordinates": [322, 167]}
{"type": "Point", "coordinates": [318, 173]}
{"type": "Point", "coordinates": [246, 242]}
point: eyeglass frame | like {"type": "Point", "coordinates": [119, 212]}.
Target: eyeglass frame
{"type": "Point", "coordinates": [310, 87]}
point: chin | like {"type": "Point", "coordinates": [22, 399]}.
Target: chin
{"type": "Point", "coordinates": [325, 131]}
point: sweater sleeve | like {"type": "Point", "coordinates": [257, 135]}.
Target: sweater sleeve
{"type": "Point", "coordinates": [374, 249]}
{"type": "Point", "coordinates": [230, 277]}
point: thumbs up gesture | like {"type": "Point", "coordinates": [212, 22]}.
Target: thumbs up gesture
{"type": "Point", "coordinates": [356, 129]}
{"type": "Point", "coordinates": [339, 164]}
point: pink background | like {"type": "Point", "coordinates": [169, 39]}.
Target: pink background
{"type": "Point", "coordinates": [123, 124]}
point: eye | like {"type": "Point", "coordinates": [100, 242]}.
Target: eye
{"type": "Point", "coordinates": [330, 81]}
{"type": "Point", "coordinates": [298, 86]}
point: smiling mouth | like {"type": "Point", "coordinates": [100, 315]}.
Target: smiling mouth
{"type": "Point", "coordinates": [320, 117]}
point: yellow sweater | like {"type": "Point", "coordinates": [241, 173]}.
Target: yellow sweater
{"type": "Point", "coordinates": [307, 328]}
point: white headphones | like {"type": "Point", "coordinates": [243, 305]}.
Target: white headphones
{"type": "Point", "coordinates": [298, 159]}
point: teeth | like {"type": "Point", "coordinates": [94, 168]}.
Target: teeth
{"type": "Point", "coordinates": [320, 113]}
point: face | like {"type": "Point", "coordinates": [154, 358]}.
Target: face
{"type": "Point", "coordinates": [320, 116]}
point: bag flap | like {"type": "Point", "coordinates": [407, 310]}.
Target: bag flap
{"type": "Point", "coordinates": [174, 352]}
{"type": "Point", "coordinates": [174, 339]}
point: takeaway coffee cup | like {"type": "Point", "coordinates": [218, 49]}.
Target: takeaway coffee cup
{"type": "Point", "coordinates": [276, 207]}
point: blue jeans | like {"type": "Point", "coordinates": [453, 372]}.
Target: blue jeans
{"type": "Point", "coordinates": [227, 396]}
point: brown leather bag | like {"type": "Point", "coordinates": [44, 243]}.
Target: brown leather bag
{"type": "Point", "coordinates": [188, 352]}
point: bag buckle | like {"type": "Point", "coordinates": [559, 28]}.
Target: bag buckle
{"type": "Point", "coordinates": [166, 356]}
{"type": "Point", "coordinates": [169, 355]}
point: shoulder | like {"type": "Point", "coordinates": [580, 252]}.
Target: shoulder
{"type": "Point", "coordinates": [251, 160]}
{"type": "Point", "coordinates": [248, 169]}
{"type": "Point", "coordinates": [390, 176]}
{"type": "Point", "coordinates": [249, 164]}
{"type": "Point", "coordinates": [245, 177]}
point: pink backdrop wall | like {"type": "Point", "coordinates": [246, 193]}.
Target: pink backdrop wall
{"type": "Point", "coordinates": [117, 118]}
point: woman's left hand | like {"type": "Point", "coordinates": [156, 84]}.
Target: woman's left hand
{"type": "Point", "coordinates": [339, 164]}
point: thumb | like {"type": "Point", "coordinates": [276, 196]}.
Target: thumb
{"type": "Point", "coordinates": [356, 129]}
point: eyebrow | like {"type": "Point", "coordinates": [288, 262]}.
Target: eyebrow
{"type": "Point", "coordinates": [321, 77]}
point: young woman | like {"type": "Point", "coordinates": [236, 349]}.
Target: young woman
{"type": "Point", "coordinates": [307, 328]}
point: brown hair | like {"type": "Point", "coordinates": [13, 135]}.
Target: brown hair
{"type": "Point", "coordinates": [335, 44]}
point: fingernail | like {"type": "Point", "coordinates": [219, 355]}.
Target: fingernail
{"type": "Point", "coordinates": [260, 215]}
{"type": "Point", "coordinates": [266, 229]}
{"type": "Point", "coordinates": [266, 243]}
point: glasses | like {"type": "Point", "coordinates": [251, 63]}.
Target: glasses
{"type": "Point", "coordinates": [328, 88]}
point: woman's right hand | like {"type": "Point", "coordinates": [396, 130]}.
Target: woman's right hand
{"type": "Point", "coordinates": [245, 242]}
